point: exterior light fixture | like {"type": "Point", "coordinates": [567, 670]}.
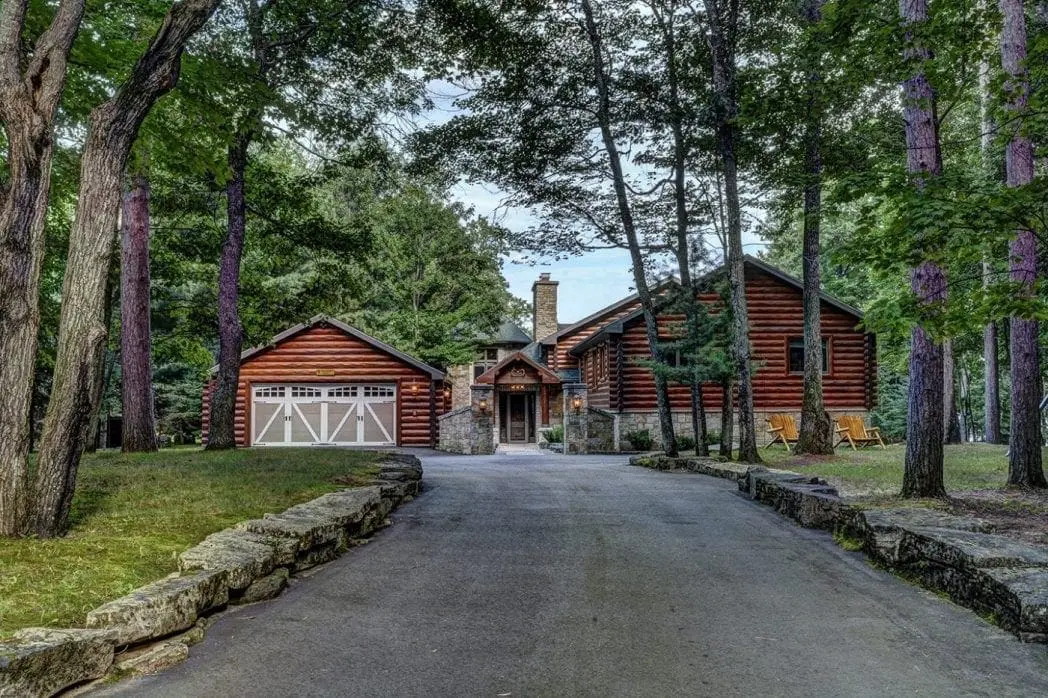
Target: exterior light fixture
{"type": "Point", "coordinates": [414, 388]}
{"type": "Point", "coordinates": [483, 404]}
{"type": "Point", "coordinates": [576, 402]}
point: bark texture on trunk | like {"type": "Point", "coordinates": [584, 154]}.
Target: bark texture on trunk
{"type": "Point", "coordinates": [221, 430]}
{"type": "Point", "coordinates": [625, 211]}
{"type": "Point", "coordinates": [991, 397]}
{"type": "Point", "coordinates": [1024, 456]}
{"type": "Point", "coordinates": [923, 473]}
{"type": "Point", "coordinates": [82, 333]}
{"type": "Point", "coordinates": [139, 433]}
{"type": "Point", "coordinates": [30, 91]}
{"type": "Point", "coordinates": [992, 371]}
{"type": "Point", "coordinates": [722, 18]}
{"type": "Point", "coordinates": [698, 420]}
{"type": "Point", "coordinates": [951, 425]}
{"type": "Point", "coordinates": [727, 414]}
{"type": "Point", "coordinates": [816, 433]}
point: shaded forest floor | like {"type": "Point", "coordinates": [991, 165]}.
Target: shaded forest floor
{"type": "Point", "coordinates": [975, 475]}
{"type": "Point", "coordinates": [133, 514]}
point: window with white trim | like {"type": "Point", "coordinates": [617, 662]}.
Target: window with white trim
{"type": "Point", "coordinates": [270, 391]}
{"type": "Point", "coordinates": [379, 391]}
{"type": "Point", "coordinates": [343, 391]}
{"type": "Point", "coordinates": [304, 391]}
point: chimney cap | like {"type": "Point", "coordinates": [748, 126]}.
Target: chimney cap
{"type": "Point", "coordinates": [544, 276]}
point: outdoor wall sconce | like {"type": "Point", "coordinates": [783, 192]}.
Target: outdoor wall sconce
{"type": "Point", "coordinates": [576, 402]}
{"type": "Point", "coordinates": [414, 388]}
{"type": "Point", "coordinates": [483, 404]}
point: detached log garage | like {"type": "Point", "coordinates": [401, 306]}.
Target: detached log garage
{"type": "Point", "coordinates": [326, 383]}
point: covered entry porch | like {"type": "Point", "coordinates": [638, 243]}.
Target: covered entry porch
{"type": "Point", "coordinates": [527, 398]}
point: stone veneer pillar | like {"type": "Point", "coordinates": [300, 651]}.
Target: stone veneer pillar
{"type": "Point", "coordinates": [575, 422]}
{"type": "Point", "coordinates": [482, 423]}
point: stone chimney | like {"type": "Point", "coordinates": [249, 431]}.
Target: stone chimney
{"type": "Point", "coordinates": [544, 307]}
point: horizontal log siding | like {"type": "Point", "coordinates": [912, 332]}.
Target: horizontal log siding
{"type": "Point", "coordinates": [298, 359]}
{"type": "Point", "coordinates": [561, 360]}
{"type": "Point", "coordinates": [776, 315]}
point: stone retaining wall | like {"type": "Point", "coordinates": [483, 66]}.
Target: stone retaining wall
{"type": "Point", "coordinates": [456, 430]}
{"type": "Point", "coordinates": [1002, 578]}
{"type": "Point", "coordinates": [153, 627]}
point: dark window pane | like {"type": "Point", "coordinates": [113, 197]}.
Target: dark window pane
{"type": "Point", "coordinates": [795, 358]}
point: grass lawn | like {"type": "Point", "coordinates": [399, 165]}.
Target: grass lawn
{"type": "Point", "coordinates": [875, 471]}
{"type": "Point", "coordinates": [133, 514]}
{"type": "Point", "coordinates": [975, 475]}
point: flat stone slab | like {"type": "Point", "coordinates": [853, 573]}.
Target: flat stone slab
{"type": "Point", "coordinates": [267, 587]}
{"type": "Point", "coordinates": [1024, 592]}
{"type": "Point", "coordinates": [39, 662]}
{"type": "Point", "coordinates": [968, 549]}
{"type": "Point", "coordinates": [152, 660]}
{"type": "Point", "coordinates": [243, 555]}
{"type": "Point", "coordinates": [322, 521]}
{"type": "Point", "coordinates": [161, 608]}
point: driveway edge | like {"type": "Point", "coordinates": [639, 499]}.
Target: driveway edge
{"type": "Point", "coordinates": [1003, 580]}
{"type": "Point", "coordinates": [153, 627]}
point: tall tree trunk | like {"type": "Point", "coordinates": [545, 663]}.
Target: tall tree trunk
{"type": "Point", "coordinates": [105, 375]}
{"type": "Point", "coordinates": [221, 429]}
{"type": "Point", "coordinates": [816, 434]}
{"type": "Point", "coordinates": [662, 398]}
{"type": "Point", "coordinates": [727, 418]}
{"type": "Point", "coordinates": [1024, 456]}
{"type": "Point", "coordinates": [139, 433]}
{"type": "Point", "coordinates": [951, 427]}
{"type": "Point", "coordinates": [992, 371]}
{"type": "Point", "coordinates": [698, 419]}
{"type": "Point", "coordinates": [82, 333]}
{"type": "Point", "coordinates": [923, 473]}
{"type": "Point", "coordinates": [30, 91]}
{"type": "Point", "coordinates": [722, 27]}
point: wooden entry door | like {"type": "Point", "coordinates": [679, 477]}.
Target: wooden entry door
{"type": "Point", "coordinates": [518, 418]}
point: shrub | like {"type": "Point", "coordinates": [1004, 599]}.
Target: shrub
{"type": "Point", "coordinates": [640, 440]}
{"type": "Point", "coordinates": [712, 438]}
{"type": "Point", "coordinates": [555, 435]}
{"type": "Point", "coordinates": [685, 443]}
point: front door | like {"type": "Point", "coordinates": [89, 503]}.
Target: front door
{"type": "Point", "coordinates": [518, 418]}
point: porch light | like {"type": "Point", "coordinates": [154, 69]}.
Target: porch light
{"type": "Point", "coordinates": [414, 388]}
{"type": "Point", "coordinates": [576, 402]}
{"type": "Point", "coordinates": [483, 404]}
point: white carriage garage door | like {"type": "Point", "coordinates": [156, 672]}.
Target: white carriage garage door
{"type": "Point", "coordinates": [363, 414]}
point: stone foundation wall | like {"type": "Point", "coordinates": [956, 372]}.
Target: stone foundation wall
{"type": "Point", "coordinates": [600, 431]}
{"type": "Point", "coordinates": [648, 419]}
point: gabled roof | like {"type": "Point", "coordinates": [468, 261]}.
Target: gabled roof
{"type": "Point", "coordinates": [508, 332]}
{"type": "Point", "coordinates": [545, 374]}
{"type": "Point", "coordinates": [318, 320]}
{"type": "Point", "coordinates": [614, 307]}
{"type": "Point", "coordinates": [617, 326]}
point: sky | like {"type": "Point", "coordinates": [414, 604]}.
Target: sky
{"type": "Point", "coordinates": [588, 282]}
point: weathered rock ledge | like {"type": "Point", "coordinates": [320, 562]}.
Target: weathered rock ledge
{"type": "Point", "coordinates": [1003, 579]}
{"type": "Point", "coordinates": [153, 627]}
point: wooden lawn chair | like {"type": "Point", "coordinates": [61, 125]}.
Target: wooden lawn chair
{"type": "Point", "coordinates": [853, 429]}
{"type": "Point", "coordinates": [783, 430]}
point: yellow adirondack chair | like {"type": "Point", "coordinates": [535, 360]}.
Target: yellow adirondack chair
{"type": "Point", "coordinates": [783, 430]}
{"type": "Point", "coordinates": [853, 429]}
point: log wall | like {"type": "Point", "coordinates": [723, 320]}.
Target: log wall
{"type": "Point", "coordinates": [341, 358]}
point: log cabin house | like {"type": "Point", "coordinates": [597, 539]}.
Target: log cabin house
{"type": "Point", "coordinates": [601, 354]}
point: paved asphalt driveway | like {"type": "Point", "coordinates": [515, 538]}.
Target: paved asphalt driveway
{"type": "Point", "coordinates": [583, 576]}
